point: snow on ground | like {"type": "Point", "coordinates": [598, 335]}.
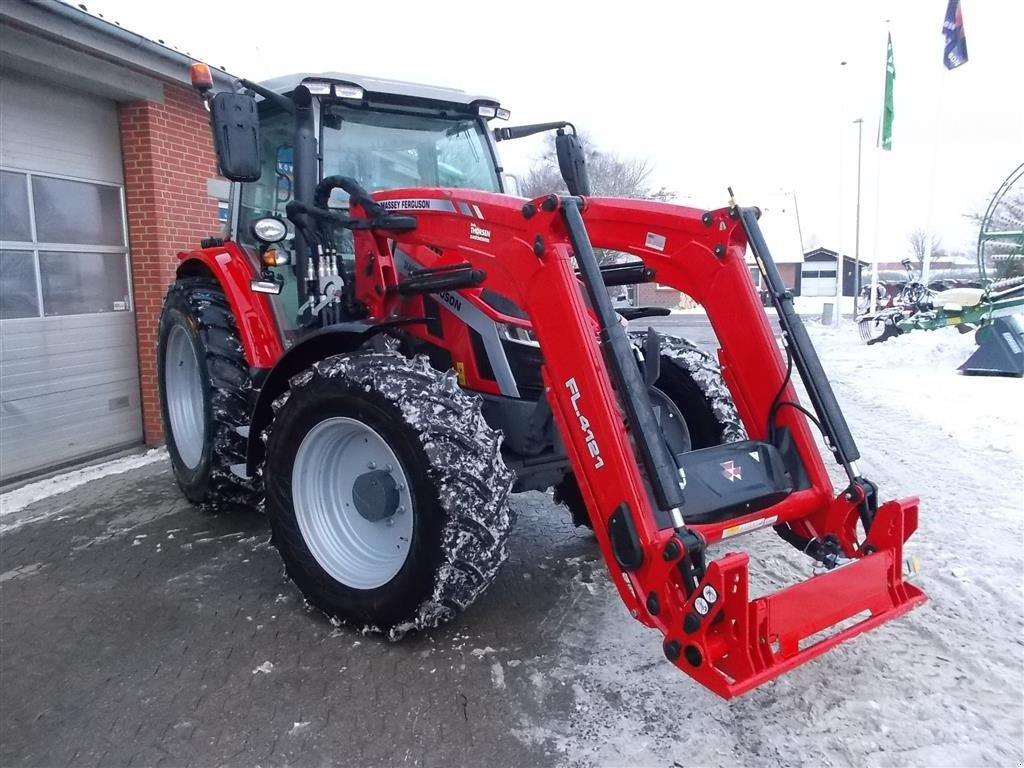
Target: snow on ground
{"type": "Point", "coordinates": [941, 686]}
{"type": "Point", "coordinates": [16, 500]}
{"type": "Point", "coordinates": [916, 375]}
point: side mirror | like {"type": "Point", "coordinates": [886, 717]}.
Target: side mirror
{"type": "Point", "coordinates": [572, 163]}
{"type": "Point", "coordinates": [236, 135]}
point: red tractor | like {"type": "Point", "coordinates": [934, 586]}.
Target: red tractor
{"type": "Point", "coordinates": [388, 344]}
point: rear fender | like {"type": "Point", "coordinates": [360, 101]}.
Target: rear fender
{"type": "Point", "coordinates": [254, 317]}
{"type": "Point", "coordinates": [335, 340]}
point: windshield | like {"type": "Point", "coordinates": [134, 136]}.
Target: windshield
{"type": "Point", "coordinates": [387, 150]}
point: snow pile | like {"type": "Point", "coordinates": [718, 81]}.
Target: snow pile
{"type": "Point", "coordinates": [18, 499]}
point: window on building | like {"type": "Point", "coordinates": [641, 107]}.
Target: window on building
{"type": "Point", "coordinates": [63, 249]}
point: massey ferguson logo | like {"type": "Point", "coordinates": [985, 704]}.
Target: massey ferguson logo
{"type": "Point", "coordinates": [731, 471]}
{"type": "Point", "coordinates": [405, 205]}
{"type": "Point", "coordinates": [592, 446]}
{"type": "Point", "coordinates": [479, 233]}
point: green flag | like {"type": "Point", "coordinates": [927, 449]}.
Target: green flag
{"type": "Point", "coordinates": [885, 134]}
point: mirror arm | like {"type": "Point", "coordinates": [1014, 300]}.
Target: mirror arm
{"type": "Point", "coordinates": [274, 98]}
{"type": "Point", "coordinates": [522, 131]}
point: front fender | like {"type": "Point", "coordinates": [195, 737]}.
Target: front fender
{"type": "Point", "coordinates": [254, 317]}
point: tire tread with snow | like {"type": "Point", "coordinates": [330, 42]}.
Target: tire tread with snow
{"type": "Point", "coordinates": [198, 305]}
{"type": "Point", "coordinates": [693, 372]}
{"type": "Point", "coordinates": [459, 484]}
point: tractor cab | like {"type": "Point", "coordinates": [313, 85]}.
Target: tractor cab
{"type": "Point", "coordinates": [280, 140]}
{"type": "Point", "coordinates": [385, 133]}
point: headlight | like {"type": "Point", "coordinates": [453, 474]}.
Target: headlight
{"type": "Point", "coordinates": [348, 91]}
{"type": "Point", "coordinates": [269, 229]}
{"type": "Point", "coordinates": [318, 87]}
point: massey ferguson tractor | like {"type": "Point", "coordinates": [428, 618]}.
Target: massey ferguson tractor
{"type": "Point", "coordinates": [387, 344]}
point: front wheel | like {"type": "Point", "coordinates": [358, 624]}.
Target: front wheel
{"type": "Point", "coordinates": [386, 492]}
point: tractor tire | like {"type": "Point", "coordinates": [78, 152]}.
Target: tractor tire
{"type": "Point", "coordinates": [386, 492]}
{"type": "Point", "coordinates": [204, 383]}
{"type": "Point", "coordinates": [692, 382]}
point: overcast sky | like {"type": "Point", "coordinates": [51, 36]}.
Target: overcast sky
{"type": "Point", "coordinates": [748, 94]}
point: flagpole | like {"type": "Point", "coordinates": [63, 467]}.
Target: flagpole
{"type": "Point", "coordinates": [929, 244]}
{"type": "Point", "coordinates": [843, 91]}
{"type": "Point", "coordinates": [856, 243]}
{"type": "Point", "coordinates": [873, 301]}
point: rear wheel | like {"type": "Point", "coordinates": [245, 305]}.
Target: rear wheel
{"type": "Point", "coordinates": [386, 492]}
{"type": "Point", "coordinates": [691, 402]}
{"type": "Point", "coordinates": [204, 383]}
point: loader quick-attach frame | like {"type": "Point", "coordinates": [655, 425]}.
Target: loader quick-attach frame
{"type": "Point", "coordinates": [529, 252]}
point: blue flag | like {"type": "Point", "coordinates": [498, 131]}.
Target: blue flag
{"type": "Point", "coordinates": [956, 43]}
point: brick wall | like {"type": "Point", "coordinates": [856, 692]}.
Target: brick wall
{"type": "Point", "coordinates": [650, 295]}
{"type": "Point", "coordinates": [168, 157]}
{"type": "Point", "coordinates": [788, 272]}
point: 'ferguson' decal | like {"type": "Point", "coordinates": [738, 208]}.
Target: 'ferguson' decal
{"type": "Point", "coordinates": [417, 204]}
{"type": "Point", "coordinates": [592, 446]}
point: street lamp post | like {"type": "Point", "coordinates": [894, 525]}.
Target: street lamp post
{"type": "Point", "coordinates": [856, 231]}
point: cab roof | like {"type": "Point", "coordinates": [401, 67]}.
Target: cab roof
{"type": "Point", "coordinates": [376, 85]}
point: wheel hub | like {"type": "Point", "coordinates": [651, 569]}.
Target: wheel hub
{"type": "Point", "coordinates": [375, 495]}
{"type": "Point", "coordinates": [352, 502]}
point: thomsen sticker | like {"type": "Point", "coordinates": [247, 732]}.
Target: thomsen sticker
{"type": "Point", "coordinates": [479, 233]}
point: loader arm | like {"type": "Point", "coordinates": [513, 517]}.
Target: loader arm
{"type": "Point", "coordinates": [525, 250]}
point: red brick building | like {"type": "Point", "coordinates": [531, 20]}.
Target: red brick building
{"type": "Point", "coordinates": [106, 171]}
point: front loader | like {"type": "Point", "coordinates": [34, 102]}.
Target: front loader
{"type": "Point", "coordinates": [388, 344]}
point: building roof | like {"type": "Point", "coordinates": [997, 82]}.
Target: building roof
{"type": "Point", "coordinates": [820, 253]}
{"type": "Point", "coordinates": [55, 41]}
{"type": "Point", "coordinates": [288, 83]}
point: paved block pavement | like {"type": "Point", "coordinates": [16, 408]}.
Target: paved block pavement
{"type": "Point", "coordinates": [137, 631]}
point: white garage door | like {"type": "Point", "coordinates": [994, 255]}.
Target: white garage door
{"type": "Point", "coordinates": [69, 379]}
{"type": "Point", "coordinates": [818, 278]}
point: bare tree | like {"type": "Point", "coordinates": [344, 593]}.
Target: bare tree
{"type": "Point", "coordinates": [923, 243]}
{"type": "Point", "coordinates": [611, 175]}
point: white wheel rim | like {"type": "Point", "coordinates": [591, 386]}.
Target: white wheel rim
{"type": "Point", "coordinates": [186, 408]}
{"type": "Point", "coordinates": [355, 551]}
